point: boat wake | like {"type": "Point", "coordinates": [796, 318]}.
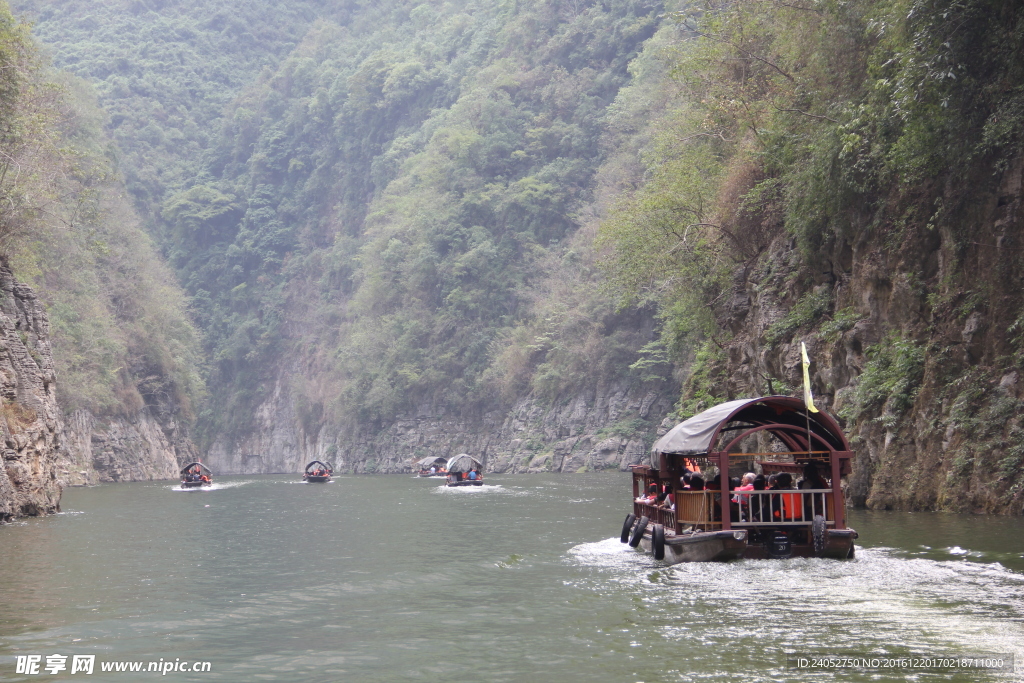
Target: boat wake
{"type": "Point", "coordinates": [611, 554]}
{"type": "Point", "coordinates": [462, 490]}
{"type": "Point", "coordinates": [598, 549]}
{"type": "Point", "coordinates": [216, 486]}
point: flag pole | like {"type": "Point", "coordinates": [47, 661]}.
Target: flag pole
{"type": "Point", "coordinates": [808, 398]}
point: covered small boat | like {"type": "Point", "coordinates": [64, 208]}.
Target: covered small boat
{"type": "Point", "coordinates": [195, 474]}
{"type": "Point", "coordinates": [433, 466]}
{"type": "Point", "coordinates": [465, 470]}
{"type": "Point", "coordinates": [695, 522]}
{"type": "Point", "coordinates": [318, 472]}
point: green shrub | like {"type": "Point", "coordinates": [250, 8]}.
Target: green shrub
{"type": "Point", "coordinates": [890, 381]}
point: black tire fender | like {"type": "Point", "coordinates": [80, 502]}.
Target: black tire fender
{"type": "Point", "coordinates": [638, 532]}
{"type": "Point", "coordinates": [658, 541]}
{"type": "Point", "coordinates": [627, 526]}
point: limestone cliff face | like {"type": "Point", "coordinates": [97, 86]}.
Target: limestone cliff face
{"type": "Point", "coordinates": [137, 448]}
{"type": "Point", "coordinates": [610, 427]}
{"type": "Point", "coordinates": [44, 450]}
{"type": "Point", "coordinates": [31, 424]}
{"type": "Point", "coordinates": [916, 345]}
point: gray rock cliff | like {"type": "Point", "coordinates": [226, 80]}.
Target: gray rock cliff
{"type": "Point", "coordinates": [142, 447]}
{"type": "Point", "coordinates": [606, 428]}
{"type": "Point", "coordinates": [31, 424]}
{"type": "Point", "coordinates": [915, 345]}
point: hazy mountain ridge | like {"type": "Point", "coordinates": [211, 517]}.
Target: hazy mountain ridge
{"type": "Point", "coordinates": [437, 226]}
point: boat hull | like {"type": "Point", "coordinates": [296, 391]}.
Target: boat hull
{"type": "Point", "coordinates": [713, 546]}
{"type": "Point", "coordinates": [838, 546]}
{"type": "Point", "coordinates": [316, 480]}
{"type": "Point", "coordinates": [722, 546]}
{"type": "Point", "coordinates": [194, 484]}
{"type": "Point", "coordinates": [465, 482]}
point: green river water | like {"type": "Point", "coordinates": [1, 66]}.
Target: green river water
{"type": "Point", "coordinates": [393, 578]}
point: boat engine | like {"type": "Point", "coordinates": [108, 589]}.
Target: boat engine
{"type": "Point", "coordinates": [779, 547]}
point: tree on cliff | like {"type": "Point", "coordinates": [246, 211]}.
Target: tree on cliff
{"type": "Point", "coordinates": [121, 336]}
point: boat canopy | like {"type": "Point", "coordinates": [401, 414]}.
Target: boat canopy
{"type": "Point", "coordinates": [784, 416]}
{"type": "Point", "coordinates": [431, 460]}
{"type": "Point", "coordinates": [464, 462]}
{"type": "Point", "coordinates": [186, 468]}
{"type": "Point", "coordinates": [326, 465]}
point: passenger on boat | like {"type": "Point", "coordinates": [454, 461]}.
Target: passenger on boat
{"type": "Point", "coordinates": [812, 480]}
{"type": "Point", "coordinates": [696, 482]}
{"type": "Point", "coordinates": [746, 484]}
{"type": "Point", "coordinates": [473, 474]}
{"type": "Point", "coordinates": [649, 495]}
{"type": "Point", "coordinates": [785, 506]}
{"type": "Point", "coordinates": [716, 485]}
{"type": "Point", "coordinates": [433, 470]}
{"type": "Point", "coordinates": [757, 502]}
{"type": "Point", "coordinates": [653, 491]}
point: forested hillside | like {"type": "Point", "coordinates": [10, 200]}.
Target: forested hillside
{"type": "Point", "coordinates": [849, 175]}
{"type": "Point", "coordinates": [125, 355]}
{"type": "Point", "coordinates": [386, 224]}
{"type": "Point", "coordinates": [527, 228]}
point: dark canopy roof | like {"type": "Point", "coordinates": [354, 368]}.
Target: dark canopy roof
{"type": "Point", "coordinates": [431, 460]}
{"type": "Point", "coordinates": [464, 462]}
{"type": "Point", "coordinates": [326, 466]}
{"type": "Point", "coordinates": [189, 466]}
{"type": "Point", "coordinates": [784, 415]}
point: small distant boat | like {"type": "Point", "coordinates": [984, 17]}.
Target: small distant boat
{"type": "Point", "coordinates": [195, 474]}
{"type": "Point", "coordinates": [318, 472]}
{"type": "Point", "coordinates": [698, 523]}
{"type": "Point", "coordinates": [433, 466]}
{"type": "Point", "coordinates": [465, 470]}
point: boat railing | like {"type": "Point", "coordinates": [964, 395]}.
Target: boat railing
{"type": "Point", "coordinates": [784, 507]}
{"type": "Point", "coordinates": [696, 509]}
{"type": "Point", "coordinates": [657, 514]}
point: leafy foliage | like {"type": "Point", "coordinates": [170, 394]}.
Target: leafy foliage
{"type": "Point", "coordinates": [121, 336]}
{"type": "Point", "coordinates": [394, 204]}
{"type": "Point", "coordinates": [890, 381]}
{"type": "Point", "coordinates": [833, 122]}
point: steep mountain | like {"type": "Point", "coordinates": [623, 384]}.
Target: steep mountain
{"type": "Point", "coordinates": [388, 228]}
{"type": "Point", "coordinates": [114, 401]}
{"type": "Point", "coordinates": [858, 188]}
{"type": "Point", "coordinates": [514, 228]}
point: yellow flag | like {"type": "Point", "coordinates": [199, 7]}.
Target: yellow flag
{"type": "Point", "coordinates": [808, 399]}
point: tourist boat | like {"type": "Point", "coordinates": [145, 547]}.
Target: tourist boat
{"type": "Point", "coordinates": [317, 472]}
{"type": "Point", "coordinates": [195, 474]}
{"type": "Point", "coordinates": [709, 525]}
{"type": "Point", "coordinates": [433, 466]}
{"type": "Point", "coordinates": [459, 469]}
